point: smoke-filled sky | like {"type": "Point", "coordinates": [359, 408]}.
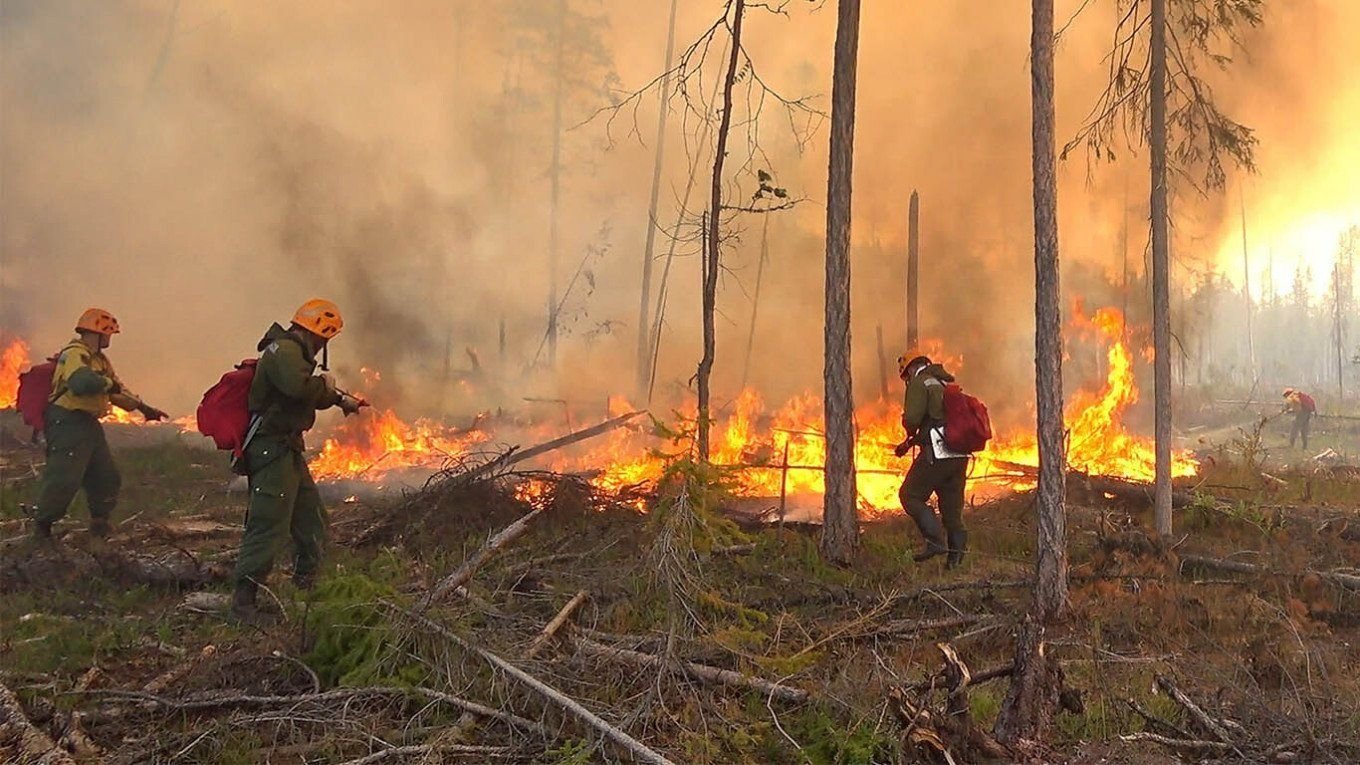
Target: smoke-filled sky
{"type": "Point", "coordinates": [199, 167]}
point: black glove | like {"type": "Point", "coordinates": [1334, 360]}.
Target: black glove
{"type": "Point", "coordinates": [901, 449]}
{"type": "Point", "coordinates": [151, 413]}
{"type": "Point", "coordinates": [351, 404]}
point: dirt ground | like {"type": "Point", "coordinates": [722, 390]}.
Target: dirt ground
{"type": "Point", "coordinates": [118, 651]}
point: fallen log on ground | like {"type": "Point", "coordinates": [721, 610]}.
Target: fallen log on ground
{"type": "Point", "coordinates": [694, 670]}
{"type": "Point", "coordinates": [23, 740]}
{"type": "Point", "coordinates": [219, 701]}
{"type": "Point", "coordinates": [464, 572]}
{"type": "Point", "coordinates": [1210, 725]}
{"type": "Point", "coordinates": [556, 624]}
{"type": "Point", "coordinates": [1340, 578]}
{"type": "Point", "coordinates": [516, 455]}
{"type": "Point", "coordinates": [618, 736]}
{"type": "Point", "coordinates": [429, 750]}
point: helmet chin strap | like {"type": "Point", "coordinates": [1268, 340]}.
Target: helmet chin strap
{"type": "Point", "coordinates": [326, 357]}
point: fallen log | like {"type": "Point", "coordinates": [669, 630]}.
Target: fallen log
{"type": "Point", "coordinates": [556, 624]}
{"type": "Point", "coordinates": [22, 739]}
{"type": "Point", "coordinates": [697, 671]}
{"type": "Point", "coordinates": [427, 750]}
{"type": "Point", "coordinates": [516, 455]}
{"type": "Point", "coordinates": [1180, 745]}
{"type": "Point", "coordinates": [903, 627]}
{"type": "Point", "coordinates": [1210, 725]}
{"type": "Point", "coordinates": [640, 750]}
{"type": "Point", "coordinates": [1125, 490]}
{"type": "Point", "coordinates": [1340, 578]}
{"type": "Point", "coordinates": [338, 694]}
{"type": "Point", "coordinates": [464, 572]}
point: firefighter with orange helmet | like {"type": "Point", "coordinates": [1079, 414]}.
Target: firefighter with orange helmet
{"type": "Point", "coordinates": [84, 387]}
{"type": "Point", "coordinates": [935, 470]}
{"type": "Point", "coordinates": [285, 396]}
{"type": "Point", "coordinates": [1302, 407]}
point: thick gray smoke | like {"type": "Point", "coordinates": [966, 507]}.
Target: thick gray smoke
{"type": "Point", "coordinates": [200, 168]}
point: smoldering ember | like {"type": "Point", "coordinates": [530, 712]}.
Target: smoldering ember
{"type": "Point", "coordinates": [717, 381]}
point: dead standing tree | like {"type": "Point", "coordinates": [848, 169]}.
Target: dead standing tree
{"type": "Point", "coordinates": [840, 520]}
{"type": "Point", "coordinates": [1034, 691]}
{"type": "Point", "coordinates": [739, 84]}
{"type": "Point", "coordinates": [1155, 87]}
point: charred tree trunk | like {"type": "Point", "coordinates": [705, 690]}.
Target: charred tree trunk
{"type": "Point", "coordinates": [913, 273]}
{"type": "Point", "coordinates": [555, 182]}
{"type": "Point", "coordinates": [1161, 275]}
{"type": "Point", "coordinates": [643, 340]}
{"type": "Point", "coordinates": [1037, 681]}
{"type": "Point", "coordinates": [840, 521]}
{"type": "Point", "coordinates": [713, 241]}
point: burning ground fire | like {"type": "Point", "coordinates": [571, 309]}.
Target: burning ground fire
{"type": "Point", "coordinates": [773, 454]}
{"type": "Point", "coordinates": [13, 361]}
{"type": "Point", "coordinates": [761, 444]}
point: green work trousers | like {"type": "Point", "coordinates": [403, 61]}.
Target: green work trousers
{"type": "Point", "coordinates": [946, 479]}
{"type": "Point", "coordinates": [284, 503]}
{"type": "Point", "coordinates": [78, 457]}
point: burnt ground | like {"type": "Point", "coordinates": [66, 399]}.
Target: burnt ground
{"type": "Point", "coordinates": [105, 653]}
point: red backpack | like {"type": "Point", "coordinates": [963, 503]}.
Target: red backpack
{"type": "Point", "coordinates": [967, 427]}
{"type": "Point", "coordinates": [224, 413]}
{"type": "Point", "coordinates": [1309, 405]}
{"type": "Point", "coordinates": [35, 392]}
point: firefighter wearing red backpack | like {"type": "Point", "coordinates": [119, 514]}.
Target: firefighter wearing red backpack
{"type": "Point", "coordinates": [284, 398]}
{"type": "Point", "coordinates": [941, 463]}
{"type": "Point", "coordinates": [1302, 406]}
{"type": "Point", "coordinates": [83, 387]}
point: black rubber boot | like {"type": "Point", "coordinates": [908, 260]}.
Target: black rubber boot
{"type": "Point", "coordinates": [42, 531]}
{"type": "Point", "coordinates": [928, 523]}
{"type": "Point", "coordinates": [304, 581]}
{"type": "Point", "coordinates": [244, 607]}
{"type": "Point", "coordinates": [100, 528]}
{"type": "Point", "coordinates": [958, 543]}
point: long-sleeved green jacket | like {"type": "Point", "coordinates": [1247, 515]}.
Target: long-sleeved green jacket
{"type": "Point", "coordinates": [924, 403]}
{"type": "Point", "coordinates": [285, 392]}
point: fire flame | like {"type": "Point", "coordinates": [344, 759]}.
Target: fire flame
{"type": "Point", "coordinates": [13, 360]}
{"type": "Point", "coordinates": [781, 453]}
{"type": "Point", "coordinates": [372, 444]}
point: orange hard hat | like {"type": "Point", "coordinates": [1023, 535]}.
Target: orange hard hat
{"type": "Point", "coordinates": [321, 317]}
{"type": "Point", "coordinates": [1288, 392]}
{"type": "Point", "coordinates": [98, 320]}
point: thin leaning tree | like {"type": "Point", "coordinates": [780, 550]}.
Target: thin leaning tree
{"type": "Point", "coordinates": [742, 96]}
{"type": "Point", "coordinates": [1156, 93]}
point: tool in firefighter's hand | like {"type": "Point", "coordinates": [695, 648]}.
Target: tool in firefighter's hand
{"type": "Point", "coordinates": [350, 403]}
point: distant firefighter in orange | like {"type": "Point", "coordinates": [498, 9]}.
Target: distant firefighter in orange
{"type": "Point", "coordinates": [1302, 406]}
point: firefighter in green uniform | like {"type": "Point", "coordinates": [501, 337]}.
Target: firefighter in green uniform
{"type": "Point", "coordinates": [935, 470]}
{"type": "Point", "coordinates": [284, 502]}
{"type": "Point", "coordinates": [84, 386]}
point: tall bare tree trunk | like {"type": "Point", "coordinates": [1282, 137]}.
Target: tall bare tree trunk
{"type": "Point", "coordinates": [755, 300]}
{"type": "Point", "coordinates": [555, 176]}
{"type": "Point", "coordinates": [713, 242]}
{"type": "Point", "coordinates": [1337, 331]}
{"type": "Point", "coordinates": [840, 519]}
{"type": "Point", "coordinates": [1037, 681]}
{"type": "Point", "coordinates": [914, 273]}
{"type": "Point", "coordinates": [1246, 291]}
{"type": "Point", "coordinates": [1161, 277]}
{"type": "Point", "coordinates": [643, 341]}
